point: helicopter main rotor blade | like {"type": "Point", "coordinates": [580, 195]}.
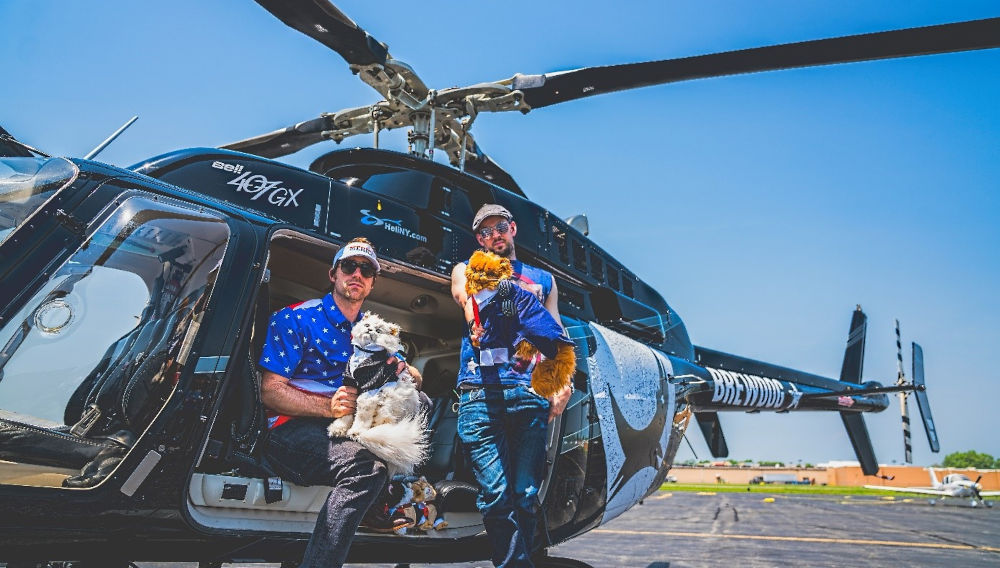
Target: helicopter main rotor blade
{"type": "Point", "coordinates": [322, 21]}
{"type": "Point", "coordinates": [544, 90]}
{"type": "Point", "coordinates": [285, 141]}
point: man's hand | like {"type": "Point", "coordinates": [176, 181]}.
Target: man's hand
{"type": "Point", "coordinates": [401, 366]}
{"type": "Point", "coordinates": [476, 331]}
{"type": "Point", "coordinates": [558, 402]}
{"type": "Point", "coordinates": [344, 401]}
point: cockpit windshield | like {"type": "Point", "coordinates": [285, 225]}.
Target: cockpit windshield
{"type": "Point", "coordinates": [26, 184]}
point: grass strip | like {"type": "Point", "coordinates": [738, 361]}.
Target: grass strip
{"type": "Point", "coordinates": [779, 489]}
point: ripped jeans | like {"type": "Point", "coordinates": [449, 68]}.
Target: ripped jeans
{"type": "Point", "coordinates": [503, 431]}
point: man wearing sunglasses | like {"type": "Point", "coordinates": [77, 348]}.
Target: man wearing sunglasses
{"type": "Point", "coordinates": [503, 427]}
{"type": "Point", "coordinates": [302, 363]}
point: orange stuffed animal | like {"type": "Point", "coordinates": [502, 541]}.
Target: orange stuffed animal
{"type": "Point", "coordinates": [489, 271]}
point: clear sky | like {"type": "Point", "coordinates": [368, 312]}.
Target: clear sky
{"type": "Point", "coordinates": [763, 207]}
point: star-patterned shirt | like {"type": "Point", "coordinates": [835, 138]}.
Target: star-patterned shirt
{"type": "Point", "coordinates": [310, 343]}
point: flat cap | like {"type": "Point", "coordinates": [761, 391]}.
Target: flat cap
{"type": "Point", "coordinates": [490, 210]}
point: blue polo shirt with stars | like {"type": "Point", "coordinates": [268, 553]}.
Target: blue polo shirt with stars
{"type": "Point", "coordinates": [309, 343]}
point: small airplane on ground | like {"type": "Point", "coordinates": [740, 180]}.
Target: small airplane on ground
{"type": "Point", "coordinates": [956, 485]}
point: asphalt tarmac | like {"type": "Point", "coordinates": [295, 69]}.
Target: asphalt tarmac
{"type": "Point", "coordinates": [682, 530]}
{"type": "Point", "coordinates": [687, 530]}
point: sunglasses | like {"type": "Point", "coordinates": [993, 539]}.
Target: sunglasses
{"type": "Point", "coordinates": [349, 266]}
{"type": "Point", "coordinates": [502, 227]}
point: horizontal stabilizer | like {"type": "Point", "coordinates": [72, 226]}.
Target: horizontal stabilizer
{"type": "Point", "coordinates": [858, 433]}
{"type": "Point", "coordinates": [711, 427]}
{"type": "Point", "coordinates": [922, 402]}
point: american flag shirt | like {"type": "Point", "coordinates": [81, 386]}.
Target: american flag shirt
{"type": "Point", "coordinates": [309, 343]}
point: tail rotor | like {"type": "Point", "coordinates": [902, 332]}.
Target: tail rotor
{"type": "Point", "coordinates": [919, 390]}
{"type": "Point", "coordinates": [903, 409]}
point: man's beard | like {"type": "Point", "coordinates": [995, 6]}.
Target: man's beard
{"type": "Point", "coordinates": [348, 293]}
{"type": "Point", "coordinates": [503, 248]}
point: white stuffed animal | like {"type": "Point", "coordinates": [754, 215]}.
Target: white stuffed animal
{"type": "Point", "coordinates": [390, 420]}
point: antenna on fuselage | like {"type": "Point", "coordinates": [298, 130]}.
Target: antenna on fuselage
{"type": "Point", "coordinates": [90, 155]}
{"type": "Point", "coordinates": [690, 446]}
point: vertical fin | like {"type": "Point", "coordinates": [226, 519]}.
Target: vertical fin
{"type": "Point", "coordinates": [858, 433]}
{"type": "Point", "coordinates": [934, 480]}
{"type": "Point", "coordinates": [854, 354]}
{"type": "Point", "coordinates": [850, 372]}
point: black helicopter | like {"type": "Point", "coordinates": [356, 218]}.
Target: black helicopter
{"type": "Point", "coordinates": [135, 300]}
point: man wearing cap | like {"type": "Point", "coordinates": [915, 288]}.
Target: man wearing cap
{"type": "Point", "coordinates": [302, 363]}
{"type": "Point", "coordinates": [503, 427]}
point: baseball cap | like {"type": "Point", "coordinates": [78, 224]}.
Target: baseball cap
{"type": "Point", "coordinates": [490, 210]}
{"type": "Point", "coordinates": [357, 248]}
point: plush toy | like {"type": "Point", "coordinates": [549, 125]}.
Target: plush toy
{"type": "Point", "coordinates": [420, 511]}
{"type": "Point", "coordinates": [503, 316]}
{"type": "Point", "coordinates": [427, 516]}
{"type": "Point", "coordinates": [417, 507]}
{"type": "Point", "coordinates": [390, 419]}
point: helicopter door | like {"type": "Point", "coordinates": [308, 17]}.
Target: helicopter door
{"type": "Point", "coordinates": [92, 355]}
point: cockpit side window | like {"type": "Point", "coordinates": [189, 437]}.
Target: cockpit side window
{"type": "Point", "coordinates": [98, 348]}
{"type": "Point", "coordinates": [401, 185]}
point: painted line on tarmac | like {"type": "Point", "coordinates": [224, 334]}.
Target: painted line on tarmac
{"type": "Point", "coordinates": [808, 539]}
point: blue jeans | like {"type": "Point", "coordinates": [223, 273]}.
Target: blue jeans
{"type": "Point", "coordinates": [504, 432]}
{"type": "Point", "coordinates": [301, 452]}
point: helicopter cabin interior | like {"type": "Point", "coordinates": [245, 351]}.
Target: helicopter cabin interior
{"type": "Point", "coordinates": [229, 488]}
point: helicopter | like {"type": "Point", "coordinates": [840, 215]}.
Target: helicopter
{"type": "Point", "coordinates": [154, 281]}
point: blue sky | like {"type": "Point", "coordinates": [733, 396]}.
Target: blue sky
{"type": "Point", "coordinates": [763, 207]}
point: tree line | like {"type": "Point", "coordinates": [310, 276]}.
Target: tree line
{"type": "Point", "coordinates": [971, 458]}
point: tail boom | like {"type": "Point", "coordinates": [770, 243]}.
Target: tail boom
{"type": "Point", "coordinates": [725, 382]}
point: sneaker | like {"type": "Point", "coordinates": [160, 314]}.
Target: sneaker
{"type": "Point", "coordinates": [378, 520]}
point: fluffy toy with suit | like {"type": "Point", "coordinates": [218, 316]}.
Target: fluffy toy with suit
{"type": "Point", "coordinates": [509, 325]}
{"type": "Point", "coordinates": [390, 419]}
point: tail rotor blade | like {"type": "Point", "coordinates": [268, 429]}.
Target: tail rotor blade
{"type": "Point", "coordinates": [903, 407]}
{"type": "Point", "coordinates": [922, 403]}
